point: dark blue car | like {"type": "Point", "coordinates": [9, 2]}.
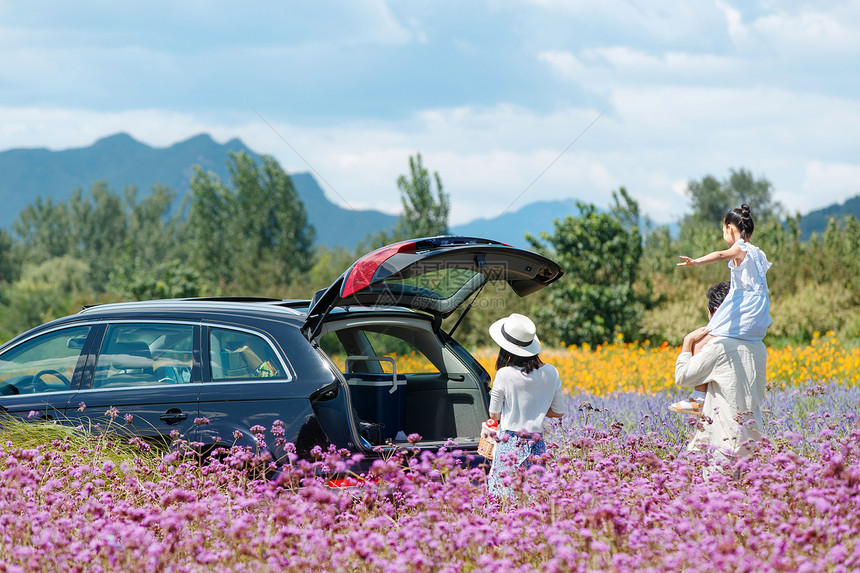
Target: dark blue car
{"type": "Point", "coordinates": [365, 363]}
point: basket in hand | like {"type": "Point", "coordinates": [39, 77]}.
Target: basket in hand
{"type": "Point", "coordinates": [488, 438]}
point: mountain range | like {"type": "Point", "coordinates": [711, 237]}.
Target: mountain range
{"type": "Point", "coordinates": [121, 161]}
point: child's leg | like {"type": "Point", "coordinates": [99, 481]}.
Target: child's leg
{"type": "Point", "coordinates": [693, 404]}
{"type": "Point", "coordinates": [699, 393]}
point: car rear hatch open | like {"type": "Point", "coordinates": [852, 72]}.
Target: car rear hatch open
{"type": "Point", "coordinates": [434, 275]}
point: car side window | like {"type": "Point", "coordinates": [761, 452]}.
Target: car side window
{"type": "Point", "coordinates": [236, 354]}
{"type": "Point", "coordinates": [145, 354]}
{"type": "Point", "coordinates": [45, 363]}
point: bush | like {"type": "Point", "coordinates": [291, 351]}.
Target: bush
{"type": "Point", "coordinates": [812, 308]}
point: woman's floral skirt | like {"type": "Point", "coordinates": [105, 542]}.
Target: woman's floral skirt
{"type": "Point", "coordinates": [514, 450]}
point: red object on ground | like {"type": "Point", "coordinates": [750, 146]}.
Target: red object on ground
{"type": "Point", "coordinates": [345, 482]}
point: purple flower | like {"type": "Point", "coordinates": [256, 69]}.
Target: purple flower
{"type": "Point", "coordinates": [278, 428]}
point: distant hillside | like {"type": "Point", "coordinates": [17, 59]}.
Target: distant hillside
{"type": "Point", "coordinates": [120, 160]}
{"type": "Point", "coordinates": [511, 227]}
{"type": "Point", "coordinates": [816, 221]}
{"type": "Point", "coordinates": [335, 225]}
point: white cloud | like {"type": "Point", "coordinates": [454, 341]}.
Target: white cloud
{"type": "Point", "coordinates": [652, 141]}
{"type": "Point", "coordinates": [692, 89]}
{"type": "Point", "coordinates": [826, 183]}
{"type": "Point", "coordinates": [813, 32]}
{"type": "Point", "coordinates": [56, 128]}
{"type": "Point", "coordinates": [564, 63]}
{"type": "Point", "coordinates": [630, 60]}
{"type": "Point", "coordinates": [735, 25]}
{"type": "Point", "coordinates": [601, 70]}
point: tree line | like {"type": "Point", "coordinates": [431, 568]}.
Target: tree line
{"type": "Point", "coordinates": [249, 236]}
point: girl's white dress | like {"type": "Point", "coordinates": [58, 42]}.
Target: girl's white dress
{"type": "Point", "coordinates": [745, 313]}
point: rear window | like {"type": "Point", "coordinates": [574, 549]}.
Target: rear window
{"type": "Point", "coordinates": [241, 355]}
{"type": "Point", "coordinates": [436, 279]}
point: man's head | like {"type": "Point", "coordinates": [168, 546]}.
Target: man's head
{"type": "Point", "coordinates": [716, 295]}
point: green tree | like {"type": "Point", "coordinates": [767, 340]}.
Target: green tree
{"type": "Point", "coordinates": [600, 252]}
{"type": "Point", "coordinates": [425, 213]}
{"type": "Point", "coordinates": [254, 233]}
{"type": "Point", "coordinates": [98, 230]}
{"type": "Point", "coordinates": [9, 268]}
{"type": "Point", "coordinates": [711, 199]}
{"type": "Point", "coordinates": [425, 210]}
{"type": "Point", "coordinates": [46, 290]}
{"type": "Point", "coordinates": [90, 228]}
{"type": "Point", "coordinates": [131, 279]}
{"type": "Point", "coordinates": [43, 230]}
{"type": "Point", "coordinates": [156, 227]}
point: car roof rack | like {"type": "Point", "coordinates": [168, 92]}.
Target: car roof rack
{"type": "Point", "coordinates": [259, 299]}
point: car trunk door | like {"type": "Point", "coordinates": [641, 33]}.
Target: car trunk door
{"type": "Point", "coordinates": [435, 275]}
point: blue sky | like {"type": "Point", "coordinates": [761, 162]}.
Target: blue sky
{"type": "Point", "coordinates": [643, 94]}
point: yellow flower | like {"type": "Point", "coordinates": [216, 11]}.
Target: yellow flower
{"type": "Point", "coordinates": [646, 369]}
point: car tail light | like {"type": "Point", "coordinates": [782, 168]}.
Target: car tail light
{"type": "Point", "coordinates": [362, 272]}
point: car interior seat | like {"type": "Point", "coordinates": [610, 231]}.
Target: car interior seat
{"type": "Point", "coordinates": [132, 361]}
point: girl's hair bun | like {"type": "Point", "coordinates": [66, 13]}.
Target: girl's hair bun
{"type": "Point", "coordinates": [741, 218]}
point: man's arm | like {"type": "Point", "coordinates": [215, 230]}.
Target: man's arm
{"type": "Point", "coordinates": [694, 370]}
{"type": "Point", "coordinates": [694, 338]}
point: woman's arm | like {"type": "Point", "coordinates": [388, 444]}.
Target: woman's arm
{"type": "Point", "coordinates": [557, 401]}
{"type": "Point", "coordinates": [714, 257]}
{"type": "Point", "coordinates": [497, 396]}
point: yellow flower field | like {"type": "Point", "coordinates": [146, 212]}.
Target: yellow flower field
{"type": "Point", "coordinates": [648, 369]}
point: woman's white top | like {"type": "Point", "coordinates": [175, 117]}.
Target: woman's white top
{"type": "Point", "coordinates": [745, 313]}
{"type": "Point", "coordinates": [523, 399]}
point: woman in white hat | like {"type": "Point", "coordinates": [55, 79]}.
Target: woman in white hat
{"type": "Point", "coordinates": [525, 392]}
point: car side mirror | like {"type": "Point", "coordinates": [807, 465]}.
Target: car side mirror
{"type": "Point", "coordinates": [76, 342]}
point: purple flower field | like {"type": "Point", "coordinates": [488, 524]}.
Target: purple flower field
{"type": "Point", "coordinates": [618, 493]}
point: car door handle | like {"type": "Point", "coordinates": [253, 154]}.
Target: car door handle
{"type": "Point", "coordinates": [173, 416]}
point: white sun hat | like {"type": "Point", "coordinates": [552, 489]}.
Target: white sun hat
{"type": "Point", "coordinates": [516, 334]}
